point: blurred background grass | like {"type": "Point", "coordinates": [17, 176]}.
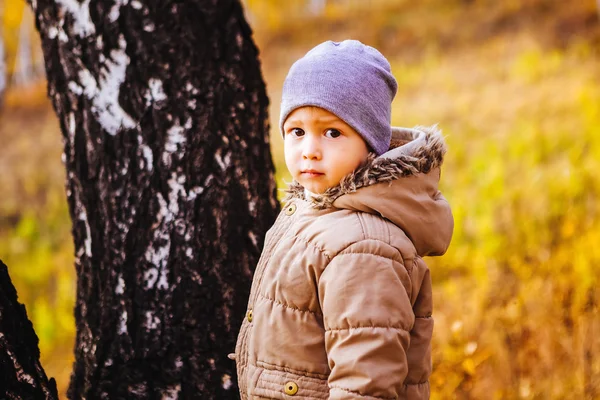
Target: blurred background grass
{"type": "Point", "coordinates": [514, 85]}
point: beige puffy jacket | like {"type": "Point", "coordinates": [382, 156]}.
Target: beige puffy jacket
{"type": "Point", "coordinates": [340, 305]}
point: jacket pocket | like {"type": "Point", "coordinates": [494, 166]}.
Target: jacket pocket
{"type": "Point", "coordinates": [280, 383]}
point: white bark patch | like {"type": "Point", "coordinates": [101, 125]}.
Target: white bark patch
{"type": "Point", "coordinates": [115, 10]}
{"type": "Point", "coordinates": [75, 88]}
{"type": "Point", "coordinates": [196, 278]}
{"type": "Point", "coordinates": [178, 363]}
{"type": "Point", "coordinates": [120, 289]}
{"type": "Point", "coordinates": [190, 88]}
{"type": "Point", "coordinates": [175, 139]}
{"type": "Point", "coordinates": [82, 22]}
{"type": "Point", "coordinates": [177, 190]}
{"type": "Point", "coordinates": [194, 192]}
{"type": "Point", "coordinates": [148, 156]}
{"type": "Point", "coordinates": [155, 91]}
{"type": "Point", "coordinates": [87, 249]}
{"type": "Point", "coordinates": [25, 377]}
{"type": "Point", "coordinates": [152, 320]}
{"type": "Point", "coordinates": [71, 128]}
{"type": "Point", "coordinates": [171, 393]}
{"type": "Point", "coordinates": [163, 212]}
{"type": "Point", "coordinates": [114, 13]}
{"type": "Point", "coordinates": [163, 283]}
{"type": "Point", "coordinates": [226, 381]}
{"type": "Point", "coordinates": [158, 256]}
{"type": "Point", "coordinates": [208, 180]}
{"type": "Point", "coordinates": [223, 161]}
{"type": "Point", "coordinates": [104, 93]}
{"type": "Point", "coordinates": [57, 31]}
{"type": "Point", "coordinates": [52, 32]}
{"type": "Point", "coordinates": [252, 237]}
{"type": "Point", "coordinates": [62, 36]}
{"type": "Point", "coordinates": [151, 276]}
{"type": "Point", "coordinates": [123, 323]}
{"type": "Point", "coordinates": [90, 87]}
{"type": "Point", "coordinates": [88, 82]}
{"type": "Point", "coordinates": [110, 114]}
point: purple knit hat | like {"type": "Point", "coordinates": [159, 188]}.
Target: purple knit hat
{"type": "Point", "coordinates": [349, 79]}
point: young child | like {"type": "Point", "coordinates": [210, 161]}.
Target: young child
{"type": "Point", "coordinates": [340, 305]}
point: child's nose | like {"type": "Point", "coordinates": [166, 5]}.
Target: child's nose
{"type": "Point", "coordinates": [311, 149]}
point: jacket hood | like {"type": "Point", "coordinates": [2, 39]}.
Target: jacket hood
{"type": "Point", "coordinates": [401, 185]}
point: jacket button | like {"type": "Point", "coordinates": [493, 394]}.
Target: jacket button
{"type": "Point", "coordinates": [290, 209]}
{"type": "Point", "coordinates": [249, 315]}
{"type": "Point", "coordinates": [291, 388]}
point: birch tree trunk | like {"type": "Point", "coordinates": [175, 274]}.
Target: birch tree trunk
{"type": "Point", "coordinates": [21, 374]}
{"type": "Point", "coordinates": [170, 188]}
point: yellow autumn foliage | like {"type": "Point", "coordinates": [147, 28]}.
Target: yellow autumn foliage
{"type": "Point", "coordinates": [515, 87]}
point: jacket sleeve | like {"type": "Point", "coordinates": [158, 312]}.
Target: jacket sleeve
{"type": "Point", "coordinates": [364, 294]}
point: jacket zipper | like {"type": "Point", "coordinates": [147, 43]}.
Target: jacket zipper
{"type": "Point", "coordinates": [242, 357]}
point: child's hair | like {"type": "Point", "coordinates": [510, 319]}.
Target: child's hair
{"type": "Point", "coordinates": [348, 79]}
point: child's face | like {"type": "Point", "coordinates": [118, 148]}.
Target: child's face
{"type": "Point", "coordinates": [320, 148]}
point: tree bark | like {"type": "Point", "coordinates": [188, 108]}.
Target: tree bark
{"type": "Point", "coordinates": [170, 188]}
{"type": "Point", "coordinates": [21, 374]}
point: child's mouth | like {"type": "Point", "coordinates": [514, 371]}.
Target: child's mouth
{"type": "Point", "coordinates": [311, 173]}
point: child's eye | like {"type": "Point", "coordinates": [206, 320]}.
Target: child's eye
{"type": "Point", "coordinates": [333, 133]}
{"type": "Point", "coordinates": [296, 132]}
